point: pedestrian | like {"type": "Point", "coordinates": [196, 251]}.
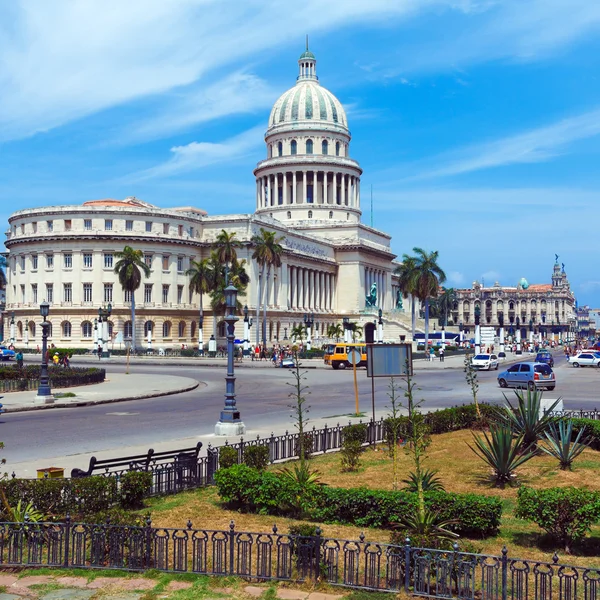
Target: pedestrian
{"type": "Point", "coordinates": [431, 354]}
{"type": "Point", "coordinates": [56, 359]}
{"type": "Point", "coordinates": [99, 351]}
{"type": "Point", "coordinates": [442, 354]}
{"type": "Point", "coordinates": [19, 358]}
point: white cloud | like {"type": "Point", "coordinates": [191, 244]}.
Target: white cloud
{"type": "Point", "coordinates": [490, 277]}
{"type": "Point", "coordinates": [197, 155]}
{"type": "Point", "coordinates": [536, 145]}
{"type": "Point", "coordinates": [455, 278]}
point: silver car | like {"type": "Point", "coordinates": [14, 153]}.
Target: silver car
{"type": "Point", "coordinates": [530, 375]}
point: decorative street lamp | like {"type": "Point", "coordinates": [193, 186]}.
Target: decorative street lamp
{"type": "Point", "coordinates": [44, 394]}
{"type": "Point", "coordinates": [201, 335]}
{"type": "Point", "coordinates": [26, 333]}
{"type": "Point", "coordinates": [12, 328]}
{"type": "Point", "coordinates": [380, 327]}
{"type": "Point", "coordinates": [530, 332]}
{"type": "Point", "coordinates": [285, 337]}
{"type": "Point", "coordinates": [518, 324]}
{"type": "Point", "coordinates": [104, 313]}
{"type": "Point", "coordinates": [502, 352]}
{"type": "Point", "coordinates": [309, 321]}
{"type": "Point", "coordinates": [230, 423]}
{"type": "Point", "coordinates": [247, 325]}
{"type": "Point", "coordinates": [477, 330]}
{"type": "Point", "coordinates": [95, 334]}
{"type": "Point", "coordinates": [346, 324]}
{"type": "Point", "coordinates": [461, 332]}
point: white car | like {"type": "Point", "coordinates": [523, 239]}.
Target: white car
{"type": "Point", "coordinates": [485, 362]}
{"type": "Point", "coordinates": [586, 359]}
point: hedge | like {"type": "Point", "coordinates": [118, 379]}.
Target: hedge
{"type": "Point", "coordinates": [250, 490]}
{"type": "Point", "coordinates": [12, 378]}
{"type": "Point", "coordinates": [592, 431]}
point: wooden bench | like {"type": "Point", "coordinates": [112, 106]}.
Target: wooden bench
{"type": "Point", "coordinates": [140, 462]}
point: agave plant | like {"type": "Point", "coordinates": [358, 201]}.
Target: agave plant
{"type": "Point", "coordinates": [429, 482]}
{"type": "Point", "coordinates": [502, 451]}
{"type": "Point", "coordinates": [426, 528]}
{"type": "Point", "coordinates": [561, 444]}
{"type": "Point", "coordinates": [26, 512]}
{"type": "Point", "coordinates": [527, 419]}
{"type": "Point", "coordinates": [302, 479]}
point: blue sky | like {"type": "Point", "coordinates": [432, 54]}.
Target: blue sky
{"type": "Point", "coordinates": [477, 122]}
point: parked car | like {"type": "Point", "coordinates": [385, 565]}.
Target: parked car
{"type": "Point", "coordinates": [7, 353]}
{"type": "Point", "coordinates": [485, 362]}
{"type": "Point", "coordinates": [288, 363]}
{"type": "Point", "coordinates": [586, 359]}
{"type": "Point", "coordinates": [545, 357]}
{"type": "Point", "coordinates": [530, 375]}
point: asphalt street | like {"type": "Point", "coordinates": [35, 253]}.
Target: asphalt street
{"type": "Point", "coordinates": [262, 396]}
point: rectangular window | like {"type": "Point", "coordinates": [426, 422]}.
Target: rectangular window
{"type": "Point", "coordinates": [147, 292]}
{"type": "Point", "coordinates": [127, 296]}
{"type": "Point", "coordinates": [23, 293]}
{"type": "Point", "coordinates": [108, 295]}
{"type": "Point", "coordinates": [179, 294]}
{"type": "Point", "coordinates": [191, 231]}
{"type": "Point", "coordinates": [87, 260]}
{"type": "Point", "coordinates": [50, 261]}
{"type": "Point", "coordinates": [165, 228]}
{"type": "Point", "coordinates": [128, 225]}
{"type": "Point", "coordinates": [34, 226]}
{"type": "Point", "coordinates": [67, 224]}
{"type": "Point", "coordinates": [22, 227]}
{"type": "Point", "coordinates": [148, 260]}
{"type": "Point", "coordinates": [165, 262]}
{"type": "Point", "coordinates": [108, 260]}
{"type": "Point", "coordinates": [180, 229]}
{"type": "Point", "coordinates": [107, 224]}
{"type": "Point", "coordinates": [22, 263]}
{"type": "Point", "coordinates": [68, 261]}
{"type": "Point", "coordinates": [165, 289]}
{"type": "Point", "coordinates": [67, 292]}
{"type": "Point", "coordinates": [34, 295]}
{"type": "Point", "coordinates": [179, 264]}
{"type": "Point", "coordinates": [34, 262]}
{"type": "Point", "coordinates": [87, 292]}
{"type": "Point", "coordinates": [148, 226]}
{"type": "Point", "coordinates": [50, 293]}
{"type": "Point", "coordinates": [87, 224]}
{"type": "Point", "coordinates": [50, 225]}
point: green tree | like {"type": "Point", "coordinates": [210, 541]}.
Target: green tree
{"type": "Point", "coordinates": [407, 278]}
{"type": "Point", "coordinates": [234, 274]}
{"type": "Point", "coordinates": [356, 330]}
{"type": "Point", "coordinates": [225, 246]}
{"type": "Point", "coordinates": [297, 333]}
{"type": "Point", "coordinates": [428, 276]}
{"type": "Point", "coordinates": [335, 331]}
{"type": "Point", "coordinates": [445, 303]}
{"type": "Point", "coordinates": [129, 268]}
{"type": "Point", "coordinates": [202, 279]}
{"type": "Point", "coordinates": [267, 253]}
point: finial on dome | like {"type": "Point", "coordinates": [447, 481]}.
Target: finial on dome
{"type": "Point", "coordinates": [307, 42]}
{"type": "Point", "coordinates": [307, 63]}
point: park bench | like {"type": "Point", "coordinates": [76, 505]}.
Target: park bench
{"type": "Point", "coordinates": [182, 458]}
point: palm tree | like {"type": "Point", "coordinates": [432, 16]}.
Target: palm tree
{"type": "Point", "coordinates": [222, 277]}
{"type": "Point", "coordinates": [445, 303]}
{"type": "Point", "coordinates": [428, 276]}
{"type": "Point", "coordinates": [298, 333]}
{"type": "Point", "coordinates": [267, 253]}
{"type": "Point", "coordinates": [356, 330]}
{"type": "Point", "coordinates": [335, 331]}
{"type": "Point", "coordinates": [406, 273]}
{"type": "Point", "coordinates": [201, 281]}
{"type": "Point", "coordinates": [225, 247]}
{"type": "Point", "coordinates": [129, 267]}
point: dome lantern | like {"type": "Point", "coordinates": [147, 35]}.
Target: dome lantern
{"type": "Point", "coordinates": [307, 64]}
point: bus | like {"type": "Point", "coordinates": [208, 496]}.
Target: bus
{"type": "Point", "coordinates": [336, 355]}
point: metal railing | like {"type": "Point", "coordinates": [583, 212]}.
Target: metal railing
{"type": "Point", "coordinates": [278, 556]}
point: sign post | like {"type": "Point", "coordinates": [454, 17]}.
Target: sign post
{"type": "Point", "coordinates": [354, 357]}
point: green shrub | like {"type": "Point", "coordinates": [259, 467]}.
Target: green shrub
{"type": "Point", "coordinates": [354, 437]}
{"type": "Point", "coordinates": [356, 433]}
{"type": "Point", "coordinates": [303, 529]}
{"type": "Point", "coordinates": [566, 514]}
{"type": "Point", "coordinates": [256, 457]}
{"type": "Point", "coordinates": [308, 445]}
{"type": "Point", "coordinates": [592, 431]}
{"type": "Point", "coordinates": [135, 485]}
{"type": "Point", "coordinates": [228, 457]}
{"type": "Point", "coordinates": [189, 352]}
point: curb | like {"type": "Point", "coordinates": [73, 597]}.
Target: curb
{"type": "Point", "coordinates": [95, 402]}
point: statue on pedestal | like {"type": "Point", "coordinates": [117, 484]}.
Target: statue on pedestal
{"type": "Point", "coordinates": [399, 305]}
{"type": "Point", "coordinates": [371, 297]}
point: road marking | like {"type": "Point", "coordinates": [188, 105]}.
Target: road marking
{"type": "Point", "coordinates": [122, 414]}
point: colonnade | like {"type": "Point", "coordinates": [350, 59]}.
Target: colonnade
{"type": "Point", "coordinates": [310, 289]}
{"type": "Point", "coordinates": [307, 187]}
{"type": "Point", "coordinates": [379, 277]}
{"type": "Point", "coordinates": [547, 312]}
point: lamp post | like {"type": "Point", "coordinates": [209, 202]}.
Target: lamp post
{"type": "Point", "coordinates": [518, 323]}
{"type": "Point", "coordinates": [380, 327]}
{"type": "Point", "coordinates": [461, 332]}
{"type": "Point", "coordinates": [346, 324]}
{"type": "Point", "coordinates": [201, 335]}
{"type": "Point", "coordinates": [26, 333]}
{"type": "Point", "coordinates": [247, 325]}
{"type": "Point", "coordinates": [477, 330]}
{"type": "Point", "coordinates": [502, 352]}
{"type": "Point", "coordinates": [285, 337]}
{"type": "Point", "coordinates": [95, 333]}
{"type": "Point", "coordinates": [530, 332]}
{"type": "Point", "coordinates": [308, 323]}
{"type": "Point", "coordinates": [230, 423]}
{"type": "Point", "coordinates": [104, 313]}
{"type": "Point", "coordinates": [44, 394]}
{"type": "Point", "coordinates": [12, 328]}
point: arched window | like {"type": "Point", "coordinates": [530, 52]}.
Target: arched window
{"type": "Point", "coordinates": [181, 329]}
{"type": "Point", "coordinates": [310, 214]}
{"type": "Point", "coordinates": [66, 329]}
{"type": "Point", "coordinates": [148, 326]}
{"type": "Point", "coordinates": [309, 146]}
{"type": "Point", "coordinates": [324, 147]}
{"type": "Point", "coordinates": [193, 327]}
{"type": "Point", "coordinates": [32, 328]}
{"type": "Point", "coordinates": [86, 329]}
{"type": "Point", "coordinates": [49, 330]}
{"type": "Point", "coordinates": [331, 214]}
{"type": "Point", "coordinates": [111, 327]}
{"type": "Point", "coordinates": [167, 329]}
{"type": "Point", "coordinates": [19, 329]}
{"type": "Point", "coordinates": [337, 148]}
{"type": "Point", "coordinates": [221, 329]}
{"type": "Point", "coordinates": [280, 148]}
{"type": "Point", "coordinates": [127, 330]}
{"type": "Point", "coordinates": [294, 147]}
{"type": "Point", "coordinates": [289, 214]}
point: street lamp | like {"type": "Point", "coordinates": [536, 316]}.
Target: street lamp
{"type": "Point", "coordinates": [230, 423]}
{"type": "Point", "coordinates": [380, 327]}
{"type": "Point", "coordinates": [518, 324]}
{"type": "Point", "coordinates": [44, 393]}
{"type": "Point", "coordinates": [26, 333]}
{"type": "Point", "coordinates": [346, 324]}
{"type": "Point", "coordinates": [309, 321]}
{"type": "Point", "coordinates": [477, 330]}
{"type": "Point", "coordinates": [530, 332]}
{"type": "Point", "coordinates": [247, 325]}
{"type": "Point", "coordinates": [104, 313]}
{"type": "Point", "coordinates": [502, 352]}
{"type": "Point", "coordinates": [285, 337]}
{"type": "Point", "coordinates": [461, 332]}
{"type": "Point", "coordinates": [12, 328]}
{"type": "Point", "coordinates": [95, 334]}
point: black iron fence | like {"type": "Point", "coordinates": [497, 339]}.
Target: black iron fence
{"type": "Point", "coordinates": [278, 556]}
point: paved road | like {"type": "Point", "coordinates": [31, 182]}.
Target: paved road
{"type": "Point", "coordinates": [262, 399]}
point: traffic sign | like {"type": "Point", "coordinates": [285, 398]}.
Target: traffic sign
{"type": "Point", "coordinates": [354, 357]}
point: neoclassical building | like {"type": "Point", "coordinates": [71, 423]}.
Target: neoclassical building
{"type": "Point", "coordinates": [547, 309]}
{"type": "Point", "coordinates": [307, 191]}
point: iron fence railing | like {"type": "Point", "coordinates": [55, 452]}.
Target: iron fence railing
{"type": "Point", "coordinates": [276, 556]}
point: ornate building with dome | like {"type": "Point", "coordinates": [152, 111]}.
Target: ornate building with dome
{"type": "Point", "coordinates": [307, 191]}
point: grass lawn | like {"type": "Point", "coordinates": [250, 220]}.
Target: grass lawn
{"type": "Point", "coordinates": [460, 470]}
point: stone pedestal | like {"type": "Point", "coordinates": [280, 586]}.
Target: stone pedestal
{"type": "Point", "coordinates": [230, 428]}
{"type": "Point", "coordinates": [44, 399]}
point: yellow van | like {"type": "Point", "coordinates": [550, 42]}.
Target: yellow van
{"type": "Point", "coordinates": [336, 355]}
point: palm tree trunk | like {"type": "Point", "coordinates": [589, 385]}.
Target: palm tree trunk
{"type": "Point", "coordinates": [261, 278]}
{"type": "Point", "coordinates": [133, 320]}
{"type": "Point", "coordinates": [265, 301]}
{"type": "Point", "coordinates": [413, 316]}
{"type": "Point", "coordinates": [200, 326]}
{"type": "Point", "coordinates": [426, 324]}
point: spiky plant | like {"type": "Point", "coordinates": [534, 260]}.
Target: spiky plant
{"type": "Point", "coordinates": [429, 482]}
{"type": "Point", "coordinates": [527, 420]}
{"type": "Point", "coordinates": [427, 528]}
{"type": "Point", "coordinates": [502, 451]}
{"type": "Point", "coordinates": [561, 444]}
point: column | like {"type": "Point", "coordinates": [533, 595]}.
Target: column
{"type": "Point", "coordinates": [303, 199]}
{"type": "Point", "coordinates": [315, 195]}
{"type": "Point", "coordinates": [290, 286]}
{"type": "Point", "coordinates": [357, 197]}
{"type": "Point", "coordinates": [257, 193]}
{"type": "Point", "coordinates": [294, 189]}
{"type": "Point", "coordinates": [333, 292]}
{"type": "Point", "coordinates": [298, 287]}
{"type": "Point", "coordinates": [303, 303]}
{"type": "Point", "coordinates": [262, 192]}
{"type": "Point", "coordinates": [320, 290]}
{"type": "Point", "coordinates": [285, 190]}
{"type": "Point", "coordinates": [343, 187]}
{"type": "Point", "coordinates": [324, 187]}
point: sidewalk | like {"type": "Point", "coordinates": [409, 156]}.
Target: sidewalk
{"type": "Point", "coordinates": [117, 387]}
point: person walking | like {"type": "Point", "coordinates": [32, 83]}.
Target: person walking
{"type": "Point", "coordinates": [19, 358]}
{"type": "Point", "coordinates": [442, 354]}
